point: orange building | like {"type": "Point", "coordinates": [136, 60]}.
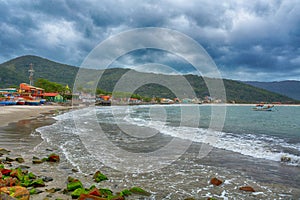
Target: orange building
{"type": "Point", "coordinates": [26, 89]}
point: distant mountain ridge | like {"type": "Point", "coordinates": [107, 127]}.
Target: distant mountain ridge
{"type": "Point", "coordinates": [288, 88]}
{"type": "Point", "coordinates": [15, 71]}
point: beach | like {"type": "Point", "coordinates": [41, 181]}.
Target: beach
{"type": "Point", "coordinates": [35, 133]}
{"type": "Point", "coordinates": [10, 114]}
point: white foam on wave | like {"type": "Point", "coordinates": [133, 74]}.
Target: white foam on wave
{"type": "Point", "coordinates": [262, 146]}
{"type": "Point", "coordinates": [258, 146]}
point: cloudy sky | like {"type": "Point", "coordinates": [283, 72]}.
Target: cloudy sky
{"type": "Point", "coordinates": [248, 40]}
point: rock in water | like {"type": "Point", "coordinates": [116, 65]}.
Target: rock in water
{"type": "Point", "coordinates": [247, 189]}
{"type": "Point", "coordinates": [216, 181]}
{"type": "Point", "coordinates": [20, 160]}
{"type": "Point", "coordinates": [285, 159]}
{"type": "Point", "coordinates": [53, 158]}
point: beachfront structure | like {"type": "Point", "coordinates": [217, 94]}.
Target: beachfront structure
{"type": "Point", "coordinates": [8, 90]}
{"type": "Point", "coordinates": [26, 89]}
{"type": "Point", "coordinates": [53, 97]}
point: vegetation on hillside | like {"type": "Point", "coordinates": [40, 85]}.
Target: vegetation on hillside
{"type": "Point", "coordinates": [15, 71]}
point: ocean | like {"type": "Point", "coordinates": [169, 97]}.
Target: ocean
{"type": "Point", "coordinates": [174, 150]}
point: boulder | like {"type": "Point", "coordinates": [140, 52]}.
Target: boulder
{"type": "Point", "coordinates": [53, 158]}
{"type": "Point", "coordinates": [216, 181]}
{"type": "Point", "coordinates": [98, 177]}
{"type": "Point", "coordinates": [3, 151]}
{"type": "Point", "coordinates": [285, 159]}
{"type": "Point", "coordinates": [140, 191]}
{"type": "Point", "coordinates": [6, 196]}
{"type": "Point", "coordinates": [247, 189]}
{"type": "Point", "coordinates": [71, 186]}
{"type": "Point", "coordinates": [90, 197]}
{"type": "Point", "coordinates": [37, 161]}
{"type": "Point", "coordinates": [5, 171]}
{"type": "Point", "coordinates": [20, 160]}
{"type": "Point", "coordinates": [95, 192]}
{"type": "Point", "coordinates": [8, 159]}
{"type": "Point", "coordinates": [18, 192]}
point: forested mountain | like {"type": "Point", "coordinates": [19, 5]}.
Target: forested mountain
{"type": "Point", "coordinates": [288, 88]}
{"type": "Point", "coordinates": [15, 71]}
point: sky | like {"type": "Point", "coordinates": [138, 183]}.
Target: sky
{"type": "Point", "coordinates": [248, 40]}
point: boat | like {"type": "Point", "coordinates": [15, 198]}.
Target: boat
{"type": "Point", "coordinates": [20, 101]}
{"type": "Point", "coordinates": [262, 107]}
{"type": "Point", "coordinates": [7, 100]}
{"type": "Point", "coordinates": [32, 102]}
{"type": "Point", "coordinates": [43, 101]}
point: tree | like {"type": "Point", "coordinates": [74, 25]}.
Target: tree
{"type": "Point", "coordinates": [49, 86]}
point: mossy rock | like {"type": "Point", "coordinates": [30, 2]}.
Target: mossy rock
{"type": "Point", "coordinates": [106, 192]}
{"type": "Point", "coordinates": [20, 160]}
{"type": "Point", "coordinates": [125, 193]}
{"type": "Point", "coordinates": [98, 177]}
{"type": "Point", "coordinates": [76, 193]}
{"type": "Point", "coordinates": [140, 191]}
{"type": "Point", "coordinates": [37, 183]}
{"type": "Point", "coordinates": [71, 186]}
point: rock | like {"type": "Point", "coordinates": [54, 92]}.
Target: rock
{"type": "Point", "coordinates": [140, 191]}
{"type": "Point", "coordinates": [216, 181]}
{"type": "Point", "coordinates": [189, 198]}
{"type": "Point", "coordinates": [75, 170]}
{"type": "Point", "coordinates": [98, 177]}
{"type": "Point", "coordinates": [79, 191]}
{"type": "Point", "coordinates": [9, 181]}
{"type": "Point", "coordinates": [247, 189]}
{"type": "Point", "coordinates": [24, 167]}
{"type": "Point", "coordinates": [4, 196]}
{"type": "Point", "coordinates": [46, 178]}
{"type": "Point", "coordinates": [19, 160]}
{"type": "Point", "coordinates": [5, 172]}
{"type": "Point", "coordinates": [95, 192]}
{"type": "Point", "coordinates": [38, 183]}
{"type": "Point", "coordinates": [8, 159]}
{"type": "Point", "coordinates": [125, 193]}
{"type": "Point", "coordinates": [4, 151]}
{"type": "Point", "coordinates": [105, 192]}
{"type": "Point", "coordinates": [71, 186]}
{"type": "Point", "coordinates": [52, 190]}
{"type": "Point", "coordinates": [53, 158]}
{"type": "Point", "coordinates": [118, 198]}
{"type": "Point", "coordinates": [37, 161]}
{"type": "Point", "coordinates": [90, 197]}
{"type": "Point", "coordinates": [35, 191]}
{"type": "Point", "coordinates": [17, 192]}
{"type": "Point", "coordinates": [285, 159]}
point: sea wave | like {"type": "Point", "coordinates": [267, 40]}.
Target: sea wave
{"type": "Point", "coordinates": [254, 145]}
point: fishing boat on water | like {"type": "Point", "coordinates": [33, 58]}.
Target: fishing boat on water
{"type": "Point", "coordinates": [262, 107]}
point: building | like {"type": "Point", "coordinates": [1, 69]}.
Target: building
{"type": "Point", "coordinates": [53, 97]}
{"type": "Point", "coordinates": [29, 90]}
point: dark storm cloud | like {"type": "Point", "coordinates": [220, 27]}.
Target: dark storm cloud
{"type": "Point", "coordinates": [250, 40]}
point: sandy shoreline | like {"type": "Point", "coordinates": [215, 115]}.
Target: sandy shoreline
{"type": "Point", "coordinates": [10, 114]}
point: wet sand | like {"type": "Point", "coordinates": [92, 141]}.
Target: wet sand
{"type": "Point", "coordinates": [10, 114]}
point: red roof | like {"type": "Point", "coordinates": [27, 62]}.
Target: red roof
{"type": "Point", "coordinates": [50, 94]}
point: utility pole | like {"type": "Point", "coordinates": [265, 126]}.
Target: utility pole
{"type": "Point", "coordinates": [31, 74]}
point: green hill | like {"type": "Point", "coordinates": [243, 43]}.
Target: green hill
{"type": "Point", "coordinates": [15, 71]}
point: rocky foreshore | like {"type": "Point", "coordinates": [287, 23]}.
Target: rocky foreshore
{"type": "Point", "coordinates": [17, 181]}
